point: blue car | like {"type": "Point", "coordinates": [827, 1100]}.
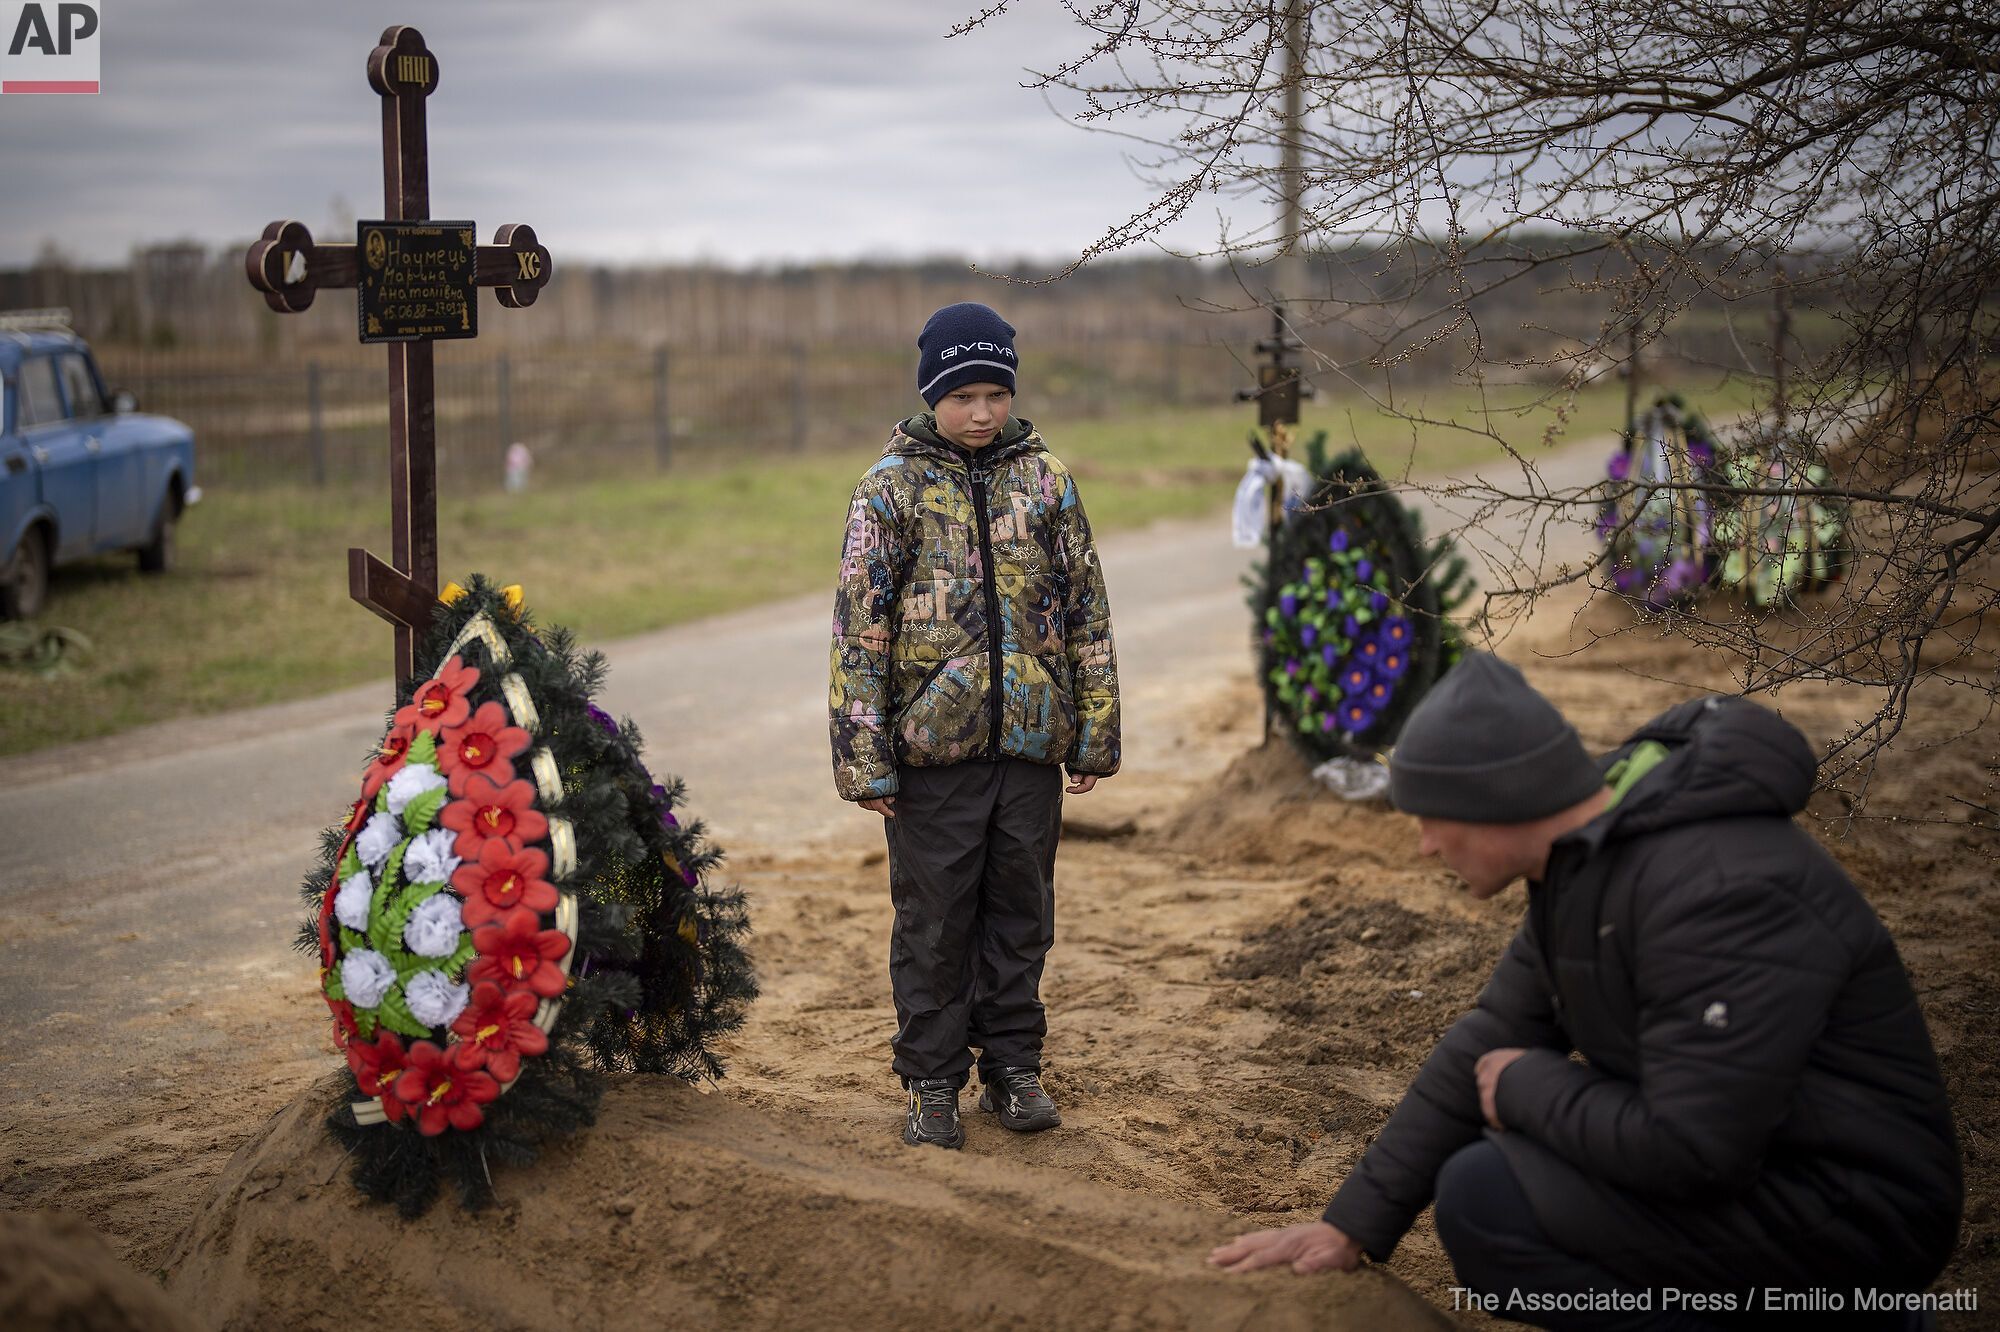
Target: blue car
{"type": "Point", "coordinates": [81, 473]}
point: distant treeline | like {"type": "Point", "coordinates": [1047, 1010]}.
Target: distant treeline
{"type": "Point", "coordinates": [186, 297]}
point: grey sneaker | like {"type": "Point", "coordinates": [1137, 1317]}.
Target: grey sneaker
{"type": "Point", "coordinates": [933, 1116]}
{"type": "Point", "coordinates": [1016, 1095]}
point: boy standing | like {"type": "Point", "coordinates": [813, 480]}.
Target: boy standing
{"type": "Point", "coordinates": [972, 661]}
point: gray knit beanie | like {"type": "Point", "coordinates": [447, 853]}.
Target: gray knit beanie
{"type": "Point", "coordinates": [1484, 747]}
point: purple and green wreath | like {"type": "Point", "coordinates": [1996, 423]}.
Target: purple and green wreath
{"type": "Point", "coordinates": [1351, 612]}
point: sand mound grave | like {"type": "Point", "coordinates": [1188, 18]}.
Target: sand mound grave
{"type": "Point", "coordinates": [700, 1211]}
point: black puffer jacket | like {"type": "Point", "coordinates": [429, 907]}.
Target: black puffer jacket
{"type": "Point", "coordinates": [1761, 1102]}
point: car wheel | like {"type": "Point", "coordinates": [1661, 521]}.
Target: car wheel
{"type": "Point", "coordinates": [157, 555]}
{"type": "Point", "coordinates": [24, 581]}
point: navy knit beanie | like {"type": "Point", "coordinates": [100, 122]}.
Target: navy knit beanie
{"type": "Point", "coordinates": [965, 343]}
{"type": "Point", "coordinates": [1484, 747]}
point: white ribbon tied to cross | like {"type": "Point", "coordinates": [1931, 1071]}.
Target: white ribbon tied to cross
{"type": "Point", "coordinates": [1247, 516]}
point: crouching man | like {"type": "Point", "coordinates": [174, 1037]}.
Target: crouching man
{"type": "Point", "coordinates": [1757, 1107]}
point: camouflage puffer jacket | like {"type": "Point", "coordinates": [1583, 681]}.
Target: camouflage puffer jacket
{"type": "Point", "coordinates": [971, 620]}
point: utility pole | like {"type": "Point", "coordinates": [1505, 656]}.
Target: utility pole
{"type": "Point", "coordinates": [1279, 387]}
{"type": "Point", "coordinates": [1291, 263]}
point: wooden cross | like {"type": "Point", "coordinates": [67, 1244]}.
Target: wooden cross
{"type": "Point", "coordinates": [289, 267]}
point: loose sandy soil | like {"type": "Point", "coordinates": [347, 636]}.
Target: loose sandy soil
{"type": "Point", "coordinates": [1244, 981]}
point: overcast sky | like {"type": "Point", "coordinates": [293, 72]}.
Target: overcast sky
{"type": "Point", "coordinates": [729, 130]}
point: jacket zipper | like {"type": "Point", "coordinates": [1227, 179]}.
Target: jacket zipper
{"type": "Point", "coordinates": [993, 627]}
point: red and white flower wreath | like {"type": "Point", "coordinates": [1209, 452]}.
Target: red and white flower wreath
{"type": "Point", "coordinates": [444, 926]}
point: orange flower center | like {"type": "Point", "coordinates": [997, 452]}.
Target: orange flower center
{"type": "Point", "coordinates": [471, 752]}
{"type": "Point", "coordinates": [517, 966]}
{"type": "Point", "coordinates": [507, 885]}
{"type": "Point", "coordinates": [491, 814]}
{"type": "Point", "coordinates": [438, 1092]}
{"type": "Point", "coordinates": [484, 1032]}
{"type": "Point", "coordinates": [434, 703]}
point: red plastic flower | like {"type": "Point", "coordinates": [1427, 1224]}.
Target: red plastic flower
{"type": "Point", "coordinates": [442, 700]}
{"type": "Point", "coordinates": [491, 812]}
{"type": "Point", "coordinates": [376, 1066]}
{"type": "Point", "coordinates": [495, 1030]}
{"type": "Point", "coordinates": [344, 1027]}
{"type": "Point", "coordinates": [357, 814]}
{"type": "Point", "coordinates": [502, 881]}
{"type": "Point", "coordinates": [389, 756]}
{"type": "Point", "coordinates": [437, 1093]}
{"type": "Point", "coordinates": [483, 743]}
{"type": "Point", "coordinates": [517, 955]}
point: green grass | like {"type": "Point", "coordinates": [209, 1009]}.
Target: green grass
{"type": "Point", "coordinates": [257, 611]}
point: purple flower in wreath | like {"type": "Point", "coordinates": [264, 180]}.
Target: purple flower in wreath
{"type": "Point", "coordinates": [1333, 598]}
{"type": "Point", "coordinates": [1288, 605]}
{"type": "Point", "coordinates": [1378, 602]}
{"type": "Point", "coordinates": [602, 718]}
{"type": "Point", "coordinates": [1351, 627]}
{"type": "Point", "coordinates": [1312, 694]}
{"type": "Point", "coordinates": [1363, 570]}
{"type": "Point", "coordinates": [1701, 453]}
{"type": "Point", "coordinates": [1291, 666]}
{"type": "Point", "coordinates": [1326, 722]}
{"type": "Point", "coordinates": [1368, 650]}
{"type": "Point", "coordinates": [1378, 694]}
{"type": "Point", "coordinates": [1683, 575]}
{"type": "Point", "coordinates": [1327, 654]}
{"type": "Point", "coordinates": [1354, 681]}
{"type": "Point", "coordinates": [1308, 635]}
{"type": "Point", "coordinates": [1395, 631]}
{"type": "Point", "coordinates": [1393, 664]}
{"type": "Point", "coordinates": [1356, 716]}
{"type": "Point", "coordinates": [1620, 466]}
{"type": "Point", "coordinates": [1338, 541]}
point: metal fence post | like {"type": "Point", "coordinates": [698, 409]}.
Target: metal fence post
{"type": "Point", "coordinates": [798, 396]}
{"type": "Point", "coordinates": [663, 426]}
{"type": "Point", "coordinates": [315, 425]}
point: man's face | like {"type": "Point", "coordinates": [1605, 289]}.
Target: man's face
{"type": "Point", "coordinates": [1488, 856]}
{"type": "Point", "coordinates": [971, 414]}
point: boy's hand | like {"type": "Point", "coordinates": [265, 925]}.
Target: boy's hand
{"type": "Point", "coordinates": [1080, 782]}
{"type": "Point", "coordinates": [883, 805]}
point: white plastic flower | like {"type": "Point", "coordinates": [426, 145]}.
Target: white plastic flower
{"type": "Point", "coordinates": [350, 904]}
{"type": "Point", "coordinates": [429, 859]}
{"type": "Point", "coordinates": [412, 780]}
{"type": "Point", "coordinates": [365, 976]}
{"type": "Point", "coordinates": [434, 1000]}
{"type": "Point", "coordinates": [433, 928]}
{"type": "Point", "coordinates": [378, 839]}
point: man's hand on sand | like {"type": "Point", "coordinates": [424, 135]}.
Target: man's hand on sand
{"type": "Point", "coordinates": [883, 805]}
{"type": "Point", "coordinates": [1312, 1247]}
{"type": "Point", "coordinates": [1487, 1074]}
{"type": "Point", "coordinates": [1080, 782]}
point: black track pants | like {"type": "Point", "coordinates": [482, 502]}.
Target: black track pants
{"type": "Point", "coordinates": [972, 858]}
